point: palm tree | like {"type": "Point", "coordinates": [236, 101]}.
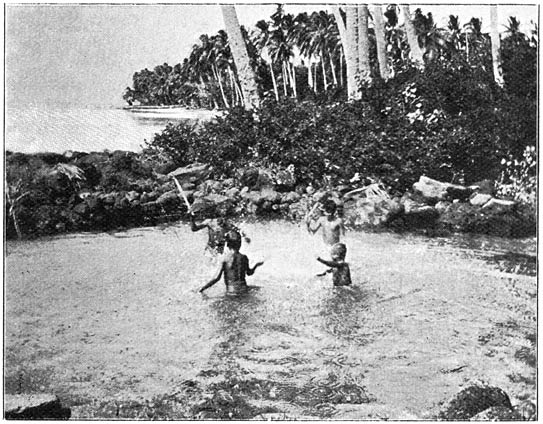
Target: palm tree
{"type": "Point", "coordinates": [262, 39]}
{"type": "Point", "coordinates": [349, 31]}
{"type": "Point", "coordinates": [377, 14]}
{"type": "Point", "coordinates": [238, 48]}
{"type": "Point", "coordinates": [280, 46]}
{"type": "Point", "coordinates": [364, 68]}
{"type": "Point", "coordinates": [495, 38]}
{"type": "Point", "coordinates": [416, 52]}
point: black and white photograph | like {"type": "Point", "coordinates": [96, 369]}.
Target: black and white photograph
{"type": "Point", "coordinates": [270, 211]}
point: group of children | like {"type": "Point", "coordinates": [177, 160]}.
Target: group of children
{"type": "Point", "coordinates": [234, 266]}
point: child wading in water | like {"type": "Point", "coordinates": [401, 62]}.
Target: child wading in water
{"type": "Point", "coordinates": [341, 273]}
{"type": "Point", "coordinates": [216, 230]}
{"type": "Point", "coordinates": [331, 225]}
{"type": "Point", "coordinates": [234, 266]}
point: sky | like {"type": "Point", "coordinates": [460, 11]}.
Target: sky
{"type": "Point", "coordinates": [86, 54]}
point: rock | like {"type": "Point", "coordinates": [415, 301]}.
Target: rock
{"type": "Point", "coordinates": [433, 191]}
{"type": "Point", "coordinates": [310, 190]}
{"type": "Point", "coordinates": [81, 209]}
{"type": "Point", "coordinates": [249, 177]}
{"type": "Point", "coordinates": [483, 187]}
{"type": "Point", "coordinates": [193, 172]}
{"type": "Point", "coordinates": [421, 217]}
{"type": "Point", "coordinates": [254, 197]}
{"type": "Point", "coordinates": [34, 407]}
{"type": "Point", "coordinates": [169, 197]}
{"type": "Point", "coordinates": [232, 193]}
{"type": "Point", "coordinates": [210, 203]}
{"type": "Point", "coordinates": [442, 206]}
{"type": "Point", "coordinates": [479, 199]}
{"type": "Point", "coordinates": [499, 205]}
{"type": "Point", "coordinates": [270, 195]}
{"type": "Point", "coordinates": [132, 195]}
{"type": "Point", "coordinates": [186, 186]}
{"type": "Point", "coordinates": [291, 197]}
{"type": "Point", "coordinates": [367, 211]}
{"type": "Point", "coordinates": [497, 413]}
{"type": "Point", "coordinates": [472, 400]}
{"type": "Point", "coordinates": [527, 410]}
{"type": "Point", "coordinates": [320, 196]}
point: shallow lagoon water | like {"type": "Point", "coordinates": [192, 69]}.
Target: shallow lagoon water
{"type": "Point", "coordinates": [114, 324]}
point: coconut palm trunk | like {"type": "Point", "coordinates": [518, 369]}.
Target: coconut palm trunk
{"type": "Point", "coordinates": [348, 50]}
{"type": "Point", "coordinates": [416, 52]}
{"type": "Point", "coordinates": [238, 48]}
{"type": "Point", "coordinates": [276, 92]}
{"type": "Point", "coordinates": [495, 40]}
{"type": "Point", "coordinates": [324, 79]}
{"type": "Point", "coordinates": [333, 68]}
{"type": "Point", "coordinates": [377, 13]}
{"type": "Point", "coordinates": [218, 77]}
{"type": "Point", "coordinates": [310, 74]}
{"type": "Point", "coordinates": [352, 59]}
{"type": "Point", "coordinates": [364, 67]}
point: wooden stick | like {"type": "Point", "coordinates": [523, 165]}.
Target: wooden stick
{"type": "Point", "coordinates": [189, 207]}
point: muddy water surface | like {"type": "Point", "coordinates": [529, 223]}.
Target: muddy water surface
{"type": "Point", "coordinates": [115, 325]}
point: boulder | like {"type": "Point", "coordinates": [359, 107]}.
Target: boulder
{"type": "Point", "coordinates": [270, 195]}
{"type": "Point", "coordinates": [442, 206]}
{"type": "Point", "coordinates": [497, 413]}
{"type": "Point", "coordinates": [433, 191]}
{"type": "Point", "coordinates": [421, 217]}
{"type": "Point", "coordinates": [472, 400]}
{"type": "Point", "coordinates": [499, 205]}
{"type": "Point", "coordinates": [249, 177]}
{"type": "Point", "coordinates": [254, 197]}
{"type": "Point", "coordinates": [290, 197]}
{"type": "Point", "coordinates": [483, 187]}
{"type": "Point", "coordinates": [232, 193]}
{"type": "Point", "coordinates": [210, 203]}
{"type": "Point", "coordinates": [169, 197]}
{"type": "Point", "coordinates": [34, 407]}
{"type": "Point", "coordinates": [132, 195]}
{"type": "Point", "coordinates": [192, 173]}
{"type": "Point", "coordinates": [369, 211]}
{"type": "Point", "coordinates": [479, 199]}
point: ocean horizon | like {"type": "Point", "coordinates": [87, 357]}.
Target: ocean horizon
{"type": "Point", "coordinates": [60, 128]}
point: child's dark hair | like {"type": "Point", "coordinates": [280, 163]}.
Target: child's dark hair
{"type": "Point", "coordinates": [330, 206]}
{"type": "Point", "coordinates": [233, 239]}
{"type": "Point", "coordinates": [340, 250]}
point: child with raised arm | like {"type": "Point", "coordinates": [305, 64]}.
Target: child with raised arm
{"type": "Point", "coordinates": [331, 225]}
{"type": "Point", "coordinates": [341, 273]}
{"type": "Point", "coordinates": [217, 229]}
{"type": "Point", "coordinates": [234, 266]}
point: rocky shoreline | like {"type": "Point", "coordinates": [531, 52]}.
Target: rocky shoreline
{"type": "Point", "coordinates": [102, 191]}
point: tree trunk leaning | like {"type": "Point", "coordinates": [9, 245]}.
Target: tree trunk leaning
{"type": "Point", "coordinates": [246, 74]}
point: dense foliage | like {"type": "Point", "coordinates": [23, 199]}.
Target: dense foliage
{"type": "Point", "coordinates": [450, 122]}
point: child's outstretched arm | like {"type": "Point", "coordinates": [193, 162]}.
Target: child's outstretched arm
{"type": "Point", "coordinates": [322, 274]}
{"type": "Point", "coordinates": [332, 264]}
{"type": "Point", "coordinates": [251, 271]}
{"type": "Point", "coordinates": [213, 280]}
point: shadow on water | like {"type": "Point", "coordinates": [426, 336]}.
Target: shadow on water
{"type": "Point", "coordinates": [340, 312]}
